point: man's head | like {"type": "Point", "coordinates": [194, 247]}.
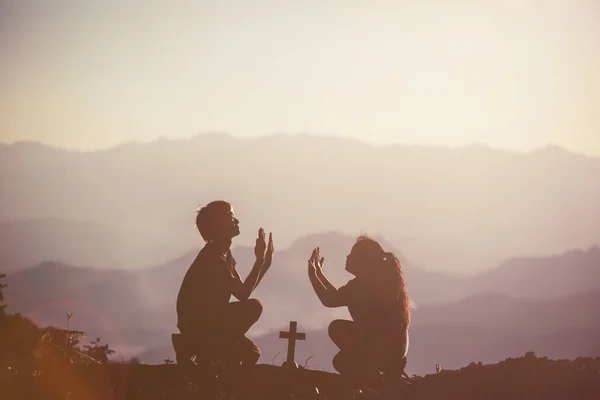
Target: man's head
{"type": "Point", "coordinates": [217, 222]}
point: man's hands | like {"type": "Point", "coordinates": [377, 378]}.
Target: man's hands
{"type": "Point", "coordinates": [261, 245]}
{"type": "Point", "coordinates": [263, 255]}
{"type": "Point", "coordinates": [262, 250]}
{"type": "Point", "coordinates": [269, 252]}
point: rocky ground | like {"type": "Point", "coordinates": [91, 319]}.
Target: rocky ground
{"type": "Point", "coordinates": [527, 377]}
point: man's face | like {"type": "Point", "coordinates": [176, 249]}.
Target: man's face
{"type": "Point", "coordinates": [225, 223]}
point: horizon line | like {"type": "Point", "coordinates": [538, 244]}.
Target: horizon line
{"type": "Point", "coordinates": [156, 140]}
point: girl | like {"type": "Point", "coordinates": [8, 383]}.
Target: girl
{"type": "Point", "coordinates": [376, 340]}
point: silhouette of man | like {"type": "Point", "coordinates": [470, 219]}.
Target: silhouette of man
{"type": "Point", "coordinates": [376, 339]}
{"type": "Point", "coordinates": [218, 327]}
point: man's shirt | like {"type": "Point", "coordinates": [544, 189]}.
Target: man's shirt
{"type": "Point", "coordinates": [206, 288]}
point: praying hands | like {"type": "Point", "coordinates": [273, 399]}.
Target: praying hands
{"type": "Point", "coordinates": [325, 291]}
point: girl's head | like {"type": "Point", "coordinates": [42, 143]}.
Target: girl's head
{"type": "Point", "coordinates": [368, 261]}
{"type": "Point", "coordinates": [365, 255]}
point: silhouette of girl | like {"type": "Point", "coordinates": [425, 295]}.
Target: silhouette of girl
{"type": "Point", "coordinates": [376, 339]}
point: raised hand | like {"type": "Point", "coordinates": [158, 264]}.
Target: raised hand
{"type": "Point", "coordinates": [270, 251]}
{"type": "Point", "coordinates": [312, 268]}
{"type": "Point", "coordinates": [261, 245]}
{"type": "Point", "coordinates": [316, 261]}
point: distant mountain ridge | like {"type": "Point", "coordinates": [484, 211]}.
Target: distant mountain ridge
{"type": "Point", "coordinates": [134, 300]}
{"type": "Point", "coordinates": [546, 277]}
{"type": "Point", "coordinates": [161, 141]}
{"type": "Point", "coordinates": [463, 209]}
{"type": "Point", "coordinates": [26, 243]}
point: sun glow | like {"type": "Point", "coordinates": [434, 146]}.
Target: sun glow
{"type": "Point", "coordinates": [514, 74]}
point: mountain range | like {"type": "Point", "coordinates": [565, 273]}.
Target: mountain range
{"type": "Point", "coordinates": [499, 249]}
{"type": "Point", "coordinates": [459, 210]}
{"type": "Point", "coordinates": [516, 303]}
{"type": "Point", "coordinates": [26, 243]}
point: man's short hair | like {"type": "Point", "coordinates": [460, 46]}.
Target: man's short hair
{"type": "Point", "coordinates": [204, 218]}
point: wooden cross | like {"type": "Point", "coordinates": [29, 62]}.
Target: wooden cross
{"type": "Point", "coordinates": [291, 336]}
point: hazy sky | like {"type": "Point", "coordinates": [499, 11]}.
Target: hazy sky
{"type": "Point", "coordinates": [510, 73]}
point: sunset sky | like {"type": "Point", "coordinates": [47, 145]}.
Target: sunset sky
{"type": "Point", "coordinates": [512, 74]}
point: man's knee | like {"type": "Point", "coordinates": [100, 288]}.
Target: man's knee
{"type": "Point", "coordinates": [255, 308]}
{"type": "Point", "coordinates": [336, 328]}
{"type": "Point", "coordinates": [249, 351]}
{"type": "Point", "coordinates": [337, 363]}
{"type": "Point", "coordinates": [341, 362]}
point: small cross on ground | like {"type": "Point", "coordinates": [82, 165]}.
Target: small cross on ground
{"type": "Point", "coordinates": [292, 336]}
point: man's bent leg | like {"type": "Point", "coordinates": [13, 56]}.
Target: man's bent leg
{"type": "Point", "coordinates": [247, 351]}
{"type": "Point", "coordinates": [342, 363]}
{"type": "Point", "coordinates": [239, 316]}
{"type": "Point", "coordinates": [236, 319]}
{"type": "Point", "coordinates": [201, 343]}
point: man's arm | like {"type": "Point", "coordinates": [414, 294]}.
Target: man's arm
{"type": "Point", "coordinates": [268, 259]}
{"type": "Point", "coordinates": [261, 274]}
{"type": "Point", "coordinates": [242, 290]}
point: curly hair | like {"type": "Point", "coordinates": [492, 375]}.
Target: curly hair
{"type": "Point", "coordinates": [400, 290]}
{"type": "Point", "coordinates": [386, 273]}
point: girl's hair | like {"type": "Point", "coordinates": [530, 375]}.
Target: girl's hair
{"type": "Point", "coordinates": [392, 267]}
{"type": "Point", "coordinates": [386, 273]}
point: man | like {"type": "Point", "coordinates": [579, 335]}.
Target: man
{"type": "Point", "coordinates": [217, 327]}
